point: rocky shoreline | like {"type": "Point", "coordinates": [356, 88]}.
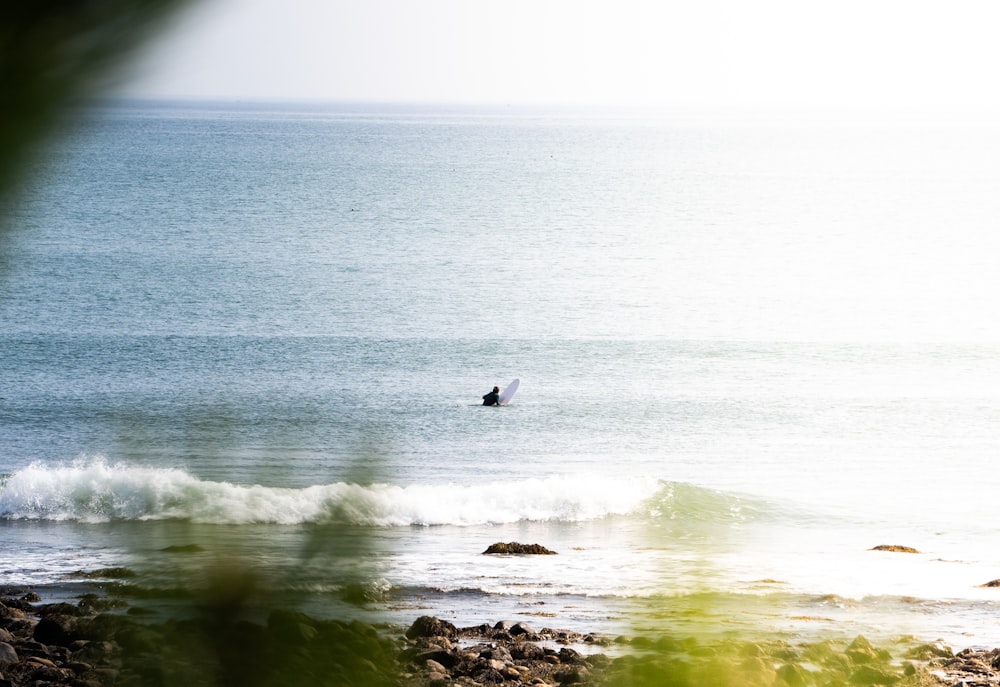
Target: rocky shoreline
{"type": "Point", "coordinates": [95, 644]}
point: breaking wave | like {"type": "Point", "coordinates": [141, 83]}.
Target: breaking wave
{"type": "Point", "coordinates": [95, 491]}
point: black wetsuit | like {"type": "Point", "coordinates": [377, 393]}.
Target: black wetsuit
{"type": "Point", "coordinates": [491, 399]}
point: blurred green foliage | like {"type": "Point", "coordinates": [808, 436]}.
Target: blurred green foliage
{"type": "Point", "coordinates": [55, 54]}
{"type": "Point", "coordinates": [668, 662]}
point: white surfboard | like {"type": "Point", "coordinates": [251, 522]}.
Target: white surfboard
{"type": "Point", "coordinates": [508, 393]}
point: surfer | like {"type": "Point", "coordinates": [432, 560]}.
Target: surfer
{"type": "Point", "coordinates": [492, 398]}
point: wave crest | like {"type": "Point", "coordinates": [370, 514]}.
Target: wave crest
{"type": "Point", "coordinates": [95, 491]}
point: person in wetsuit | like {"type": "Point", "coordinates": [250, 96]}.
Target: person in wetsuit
{"type": "Point", "coordinates": [492, 398]}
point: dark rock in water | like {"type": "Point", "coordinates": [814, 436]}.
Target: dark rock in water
{"type": "Point", "coordinates": [182, 548]}
{"type": "Point", "coordinates": [428, 626]}
{"type": "Point", "coordinates": [92, 603]}
{"type": "Point", "coordinates": [991, 584]}
{"type": "Point", "coordinates": [516, 548]}
{"type": "Point", "coordinates": [894, 548]}
{"type": "Point", "coordinates": [118, 573]}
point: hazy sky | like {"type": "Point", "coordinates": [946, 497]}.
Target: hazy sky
{"type": "Point", "coordinates": [900, 54]}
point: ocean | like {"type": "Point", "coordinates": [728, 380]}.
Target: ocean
{"type": "Point", "coordinates": [257, 335]}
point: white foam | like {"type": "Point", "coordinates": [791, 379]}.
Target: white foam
{"type": "Point", "coordinates": [95, 491]}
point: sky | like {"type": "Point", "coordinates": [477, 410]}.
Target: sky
{"type": "Point", "coordinates": [879, 54]}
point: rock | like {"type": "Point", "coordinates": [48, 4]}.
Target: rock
{"type": "Point", "coordinates": [56, 629]}
{"type": "Point", "coordinates": [102, 627]}
{"type": "Point", "coordinates": [92, 603]}
{"type": "Point", "coordinates": [488, 676]}
{"type": "Point", "coordinates": [992, 584]}
{"type": "Point", "coordinates": [19, 627]}
{"type": "Point", "coordinates": [435, 667]}
{"type": "Point", "coordinates": [11, 612]}
{"type": "Point", "coordinates": [17, 604]}
{"type": "Point", "coordinates": [42, 661]}
{"type": "Point", "coordinates": [925, 652]}
{"type": "Point", "coordinates": [182, 548]}
{"type": "Point", "coordinates": [895, 548]}
{"type": "Point", "coordinates": [119, 573]}
{"type": "Point", "coordinates": [526, 651]}
{"type": "Point", "coordinates": [95, 652]}
{"type": "Point", "coordinates": [433, 643]}
{"type": "Point", "coordinates": [429, 626]}
{"type": "Point", "coordinates": [78, 667]}
{"type": "Point", "coordinates": [571, 675]}
{"type": "Point", "coordinates": [107, 675]}
{"type": "Point", "coordinates": [7, 653]}
{"type": "Point", "coordinates": [793, 675]}
{"type": "Point", "coordinates": [445, 659]}
{"type": "Point", "coordinates": [31, 673]}
{"type": "Point", "coordinates": [502, 656]}
{"type": "Point", "coordinates": [57, 609]}
{"type": "Point", "coordinates": [757, 671]}
{"type": "Point", "coordinates": [522, 629]}
{"type": "Point", "coordinates": [437, 679]}
{"type": "Point", "coordinates": [861, 651]}
{"type": "Point", "coordinates": [567, 655]}
{"type": "Point", "coordinates": [976, 666]}
{"type": "Point", "coordinates": [138, 640]}
{"type": "Point", "coordinates": [498, 653]}
{"type": "Point", "coordinates": [518, 549]}
{"type": "Point", "coordinates": [867, 675]}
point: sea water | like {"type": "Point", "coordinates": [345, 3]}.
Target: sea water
{"type": "Point", "coordinates": [258, 336]}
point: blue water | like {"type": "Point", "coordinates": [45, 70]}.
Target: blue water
{"type": "Point", "coordinates": [747, 355]}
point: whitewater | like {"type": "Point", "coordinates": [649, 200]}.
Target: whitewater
{"type": "Point", "coordinates": [93, 491]}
